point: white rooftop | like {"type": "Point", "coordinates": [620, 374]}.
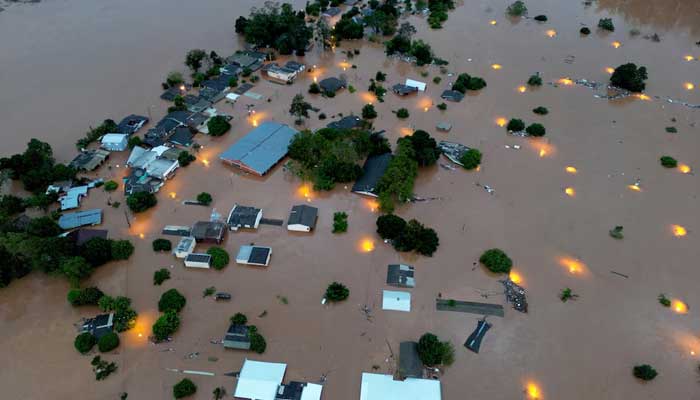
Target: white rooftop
{"type": "Point", "coordinates": [259, 380]}
{"type": "Point", "coordinates": [395, 300]}
{"type": "Point", "coordinates": [311, 391]}
{"type": "Point", "coordinates": [114, 137]}
{"type": "Point", "coordinates": [384, 387]}
{"type": "Point", "coordinates": [416, 84]}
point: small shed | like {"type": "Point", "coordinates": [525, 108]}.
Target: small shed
{"type": "Point", "coordinates": [400, 275]}
{"type": "Point", "coordinates": [209, 231]}
{"type": "Point", "coordinates": [416, 84]}
{"type": "Point", "coordinates": [410, 365]}
{"type": "Point", "coordinates": [403, 90]}
{"type": "Point", "coordinates": [176, 230]}
{"type": "Point", "coordinates": [185, 247]}
{"type": "Point", "coordinates": [452, 95]}
{"type": "Point", "coordinates": [302, 218]}
{"type": "Point", "coordinates": [198, 260]}
{"type": "Point", "coordinates": [115, 141]}
{"type": "Point", "coordinates": [473, 342]}
{"type": "Point", "coordinates": [444, 126]}
{"type": "Point", "coordinates": [98, 326]}
{"type": "Point", "coordinates": [254, 255]}
{"type": "Point", "coordinates": [244, 217]}
{"type": "Point", "coordinates": [237, 337]}
{"type": "Point", "coordinates": [396, 301]}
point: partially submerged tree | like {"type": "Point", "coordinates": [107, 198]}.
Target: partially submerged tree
{"type": "Point", "coordinates": [340, 222]}
{"type": "Point", "coordinates": [517, 9]}
{"type": "Point", "coordinates": [141, 201]}
{"type": "Point", "coordinates": [239, 319]}
{"type": "Point", "coordinates": [630, 77]}
{"type": "Point", "coordinates": [194, 59]}
{"type": "Point", "coordinates": [466, 82]}
{"type": "Point", "coordinates": [219, 257]}
{"type": "Point", "coordinates": [606, 24]}
{"type": "Point", "coordinates": [166, 325]}
{"type": "Point", "coordinates": [541, 110]}
{"type": "Point", "coordinates": [471, 159]}
{"type": "Point", "coordinates": [299, 108]}
{"type": "Point", "coordinates": [171, 300]}
{"type": "Point", "coordinates": [160, 276]}
{"type": "Point", "coordinates": [108, 342]}
{"type": "Point", "coordinates": [515, 125]}
{"type": "Point", "coordinates": [337, 292]}
{"type": "Point", "coordinates": [535, 80]}
{"type": "Point", "coordinates": [432, 351]}
{"type": "Point", "coordinates": [204, 198]}
{"type": "Point", "coordinates": [161, 244]}
{"type": "Point", "coordinates": [368, 112]}
{"type": "Point", "coordinates": [84, 342]}
{"type": "Point", "coordinates": [497, 261]}
{"type": "Point", "coordinates": [184, 388]}
{"type": "Point", "coordinates": [644, 372]}
{"type": "Point", "coordinates": [218, 125]}
{"type": "Point", "coordinates": [668, 162]}
{"type": "Point", "coordinates": [536, 130]}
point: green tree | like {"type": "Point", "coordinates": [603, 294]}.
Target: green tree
{"type": "Point", "coordinates": [346, 28]}
{"type": "Point", "coordinates": [668, 162]}
{"type": "Point", "coordinates": [536, 130]}
{"type": "Point", "coordinates": [85, 296]}
{"type": "Point", "coordinates": [496, 260]}
{"type": "Point", "coordinates": [368, 112]}
{"type": "Point", "coordinates": [390, 226]}
{"type": "Point", "coordinates": [517, 9]}
{"type": "Point", "coordinates": [515, 125]}
{"type": "Point", "coordinates": [111, 186]}
{"type": "Point", "coordinates": [257, 341]}
{"type": "Point", "coordinates": [122, 249]}
{"type": "Point", "coordinates": [240, 25]}
{"type": "Point", "coordinates": [340, 222]}
{"type": "Point", "coordinates": [161, 244]}
{"type": "Point", "coordinates": [204, 198]}
{"type": "Point", "coordinates": [299, 107]}
{"type": "Point", "coordinates": [194, 59]}
{"type": "Point", "coordinates": [278, 27]}
{"type": "Point", "coordinates": [184, 388]}
{"type": "Point", "coordinates": [606, 24]}
{"type": "Point", "coordinates": [239, 319]}
{"type": "Point", "coordinates": [171, 300]}
{"type": "Point", "coordinates": [75, 269]}
{"type": "Point", "coordinates": [471, 159]}
{"type": "Point", "coordinates": [644, 372]}
{"type": "Point", "coordinates": [219, 393]}
{"type": "Point", "coordinates": [218, 125]}
{"type": "Point", "coordinates": [314, 88]}
{"type": "Point", "coordinates": [185, 158]}
{"type": "Point", "coordinates": [535, 80]}
{"type": "Point", "coordinates": [402, 113]}
{"type": "Point", "coordinates": [541, 110]}
{"type": "Point", "coordinates": [141, 201]}
{"type": "Point", "coordinates": [466, 82]}
{"type": "Point", "coordinates": [160, 276]}
{"type": "Point", "coordinates": [629, 77]}
{"type": "Point", "coordinates": [425, 150]}
{"type": "Point", "coordinates": [432, 351]}
{"type": "Point", "coordinates": [134, 141]}
{"type": "Point", "coordinates": [11, 205]}
{"type": "Point", "coordinates": [97, 251]}
{"type": "Point", "coordinates": [219, 257]}
{"type": "Point", "coordinates": [166, 325]}
{"type": "Point", "coordinates": [84, 342]}
{"type": "Point", "coordinates": [108, 342]}
{"type": "Point", "coordinates": [337, 292]}
{"type": "Point", "coordinates": [43, 227]}
{"type": "Point", "coordinates": [422, 52]}
{"type": "Point", "coordinates": [174, 78]}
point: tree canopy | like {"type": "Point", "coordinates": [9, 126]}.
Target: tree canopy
{"type": "Point", "coordinates": [496, 260]}
{"type": "Point", "coordinates": [337, 292]}
{"type": "Point", "coordinates": [171, 300]}
{"type": "Point", "coordinates": [141, 201]}
{"type": "Point", "coordinates": [630, 77]}
{"type": "Point", "coordinates": [36, 167]}
{"type": "Point", "coordinates": [432, 351]}
{"type": "Point", "coordinates": [276, 26]}
{"type": "Point", "coordinates": [218, 125]}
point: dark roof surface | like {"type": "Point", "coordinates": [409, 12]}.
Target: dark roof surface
{"type": "Point", "coordinates": [237, 333]}
{"type": "Point", "coordinates": [131, 123]}
{"type": "Point", "coordinates": [198, 257]}
{"type": "Point", "coordinates": [242, 216]}
{"type": "Point", "coordinates": [181, 136]}
{"type": "Point", "coordinates": [81, 236]}
{"type": "Point", "coordinates": [372, 172]}
{"type": "Point", "coordinates": [258, 255]}
{"type": "Point", "coordinates": [410, 365]}
{"type": "Point", "coordinates": [290, 391]}
{"type": "Point", "coordinates": [209, 230]}
{"type": "Point", "coordinates": [473, 342]}
{"type": "Point", "coordinates": [303, 215]}
{"type": "Point", "coordinates": [400, 275]}
{"type": "Point", "coordinates": [349, 122]}
{"type": "Point", "coordinates": [331, 84]}
{"type": "Point", "coordinates": [452, 95]}
{"type": "Point", "coordinates": [403, 90]}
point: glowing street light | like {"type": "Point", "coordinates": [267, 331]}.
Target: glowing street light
{"type": "Point", "coordinates": [566, 81]}
{"type": "Point", "coordinates": [689, 58]}
{"type": "Point", "coordinates": [501, 122]}
{"type": "Point", "coordinates": [571, 192]}
{"type": "Point", "coordinates": [609, 70]}
{"type": "Point", "coordinates": [515, 277]}
{"type": "Point", "coordinates": [493, 22]}
{"type": "Point", "coordinates": [679, 307]}
{"type": "Point", "coordinates": [634, 187]}
{"type": "Point", "coordinates": [551, 33]}
{"type": "Point", "coordinates": [522, 89]}
{"type": "Point", "coordinates": [689, 86]}
{"type": "Point", "coordinates": [679, 231]}
{"type": "Point", "coordinates": [571, 170]}
{"type": "Point", "coordinates": [616, 44]}
{"type": "Point", "coordinates": [496, 66]}
{"type": "Point", "coordinates": [684, 168]}
{"type": "Point", "coordinates": [367, 245]}
{"type": "Point", "coordinates": [533, 391]}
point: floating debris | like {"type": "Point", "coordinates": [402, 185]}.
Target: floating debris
{"type": "Point", "coordinates": [448, 167]}
{"type": "Point", "coordinates": [487, 188]}
{"type": "Point", "coordinates": [515, 294]}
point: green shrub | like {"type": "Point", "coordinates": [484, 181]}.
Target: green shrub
{"type": "Point", "coordinates": [337, 292]}
{"type": "Point", "coordinates": [184, 388]}
{"type": "Point", "coordinates": [471, 159]}
{"type": "Point", "coordinates": [185, 158]}
{"type": "Point", "coordinates": [86, 296]}
{"type": "Point", "coordinates": [232, 82]}
{"type": "Point", "coordinates": [380, 76]}
{"type": "Point", "coordinates": [257, 341]}
{"type": "Point", "coordinates": [218, 125]}
{"type": "Point", "coordinates": [111, 186]}
{"type": "Point", "coordinates": [166, 325]}
{"type": "Point", "coordinates": [668, 162]}
{"type": "Point", "coordinates": [84, 342]}
{"type": "Point", "coordinates": [540, 18]}
{"type": "Point", "coordinates": [162, 245]}
{"type": "Point", "coordinates": [161, 276]}
{"type": "Point", "coordinates": [204, 198]}
{"type": "Point", "coordinates": [541, 110]}
{"type": "Point", "coordinates": [535, 80]}
{"type": "Point", "coordinates": [171, 300]}
{"type": "Point", "coordinates": [239, 319]}
{"type": "Point", "coordinates": [664, 301]}
{"type": "Point", "coordinates": [402, 113]}
{"type": "Point", "coordinates": [616, 232]}
{"type": "Point", "coordinates": [390, 226]}
{"type": "Point", "coordinates": [606, 24]}
{"type": "Point", "coordinates": [134, 141]}
{"type": "Point", "coordinates": [629, 77]}
{"type": "Point", "coordinates": [566, 294]}
{"type": "Point", "coordinates": [314, 88]}
{"type": "Point", "coordinates": [108, 342]}
{"type": "Point", "coordinates": [644, 372]}
{"type": "Point", "coordinates": [466, 82]}
{"type": "Point", "coordinates": [442, 106]}
{"type": "Point", "coordinates": [340, 222]}
{"type": "Point", "coordinates": [219, 257]}
{"type": "Point", "coordinates": [517, 9]}
{"type": "Point", "coordinates": [536, 130]}
{"type": "Point", "coordinates": [437, 80]}
{"type": "Point", "coordinates": [122, 249]}
{"type": "Point", "coordinates": [351, 89]}
{"type": "Point", "coordinates": [141, 201]}
{"type": "Point", "coordinates": [515, 125]}
{"type": "Point", "coordinates": [585, 31]}
{"type": "Point", "coordinates": [246, 72]}
{"type": "Point", "coordinates": [432, 351]}
{"type": "Point", "coordinates": [671, 129]}
{"type": "Point", "coordinates": [368, 112]}
{"type": "Point", "coordinates": [496, 260]}
{"type": "Point", "coordinates": [102, 368]}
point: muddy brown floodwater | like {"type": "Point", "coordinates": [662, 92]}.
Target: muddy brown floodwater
{"type": "Point", "coordinates": [68, 64]}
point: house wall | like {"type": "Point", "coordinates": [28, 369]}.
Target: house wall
{"type": "Point", "coordinates": [196, 264]}
{"type": "Point", "coordinates": [298, 228]}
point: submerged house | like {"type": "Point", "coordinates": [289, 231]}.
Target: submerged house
{"type": "Point", "coordinates": [115, 141]}
{"type": "Point", "coordinates": [182, 136]}
{"type": "Point", "coordinates": [209, 231]}
{"type": "Point", "coordinates": [260, 380]}
{"type": "Point", "coordinates": [98, 326]}
{"type": "Point", "coordinates": [400, 275]}
{"type": "Point", "coordinates": [246, 59]}
{"type": "Point", "coordinates": [237, 337]}
{"type": "Point", "coordinates": [403, 90]}
{"type": "Point", "coordinates": [347, 122]}
{"type": "Point", "coordinates": [332, 84]}
{"type": "Point", "coordinates": [80, 218]}
{"type": "Point", "coordinates": [302, 218]}
{"type": "Point", "coordinates": [410, 365]}
{"type": "Point", "coordinates": [453, 151]}
{"type": "Point", "coordinates": [139, 181]}
{"type": "Point", "coordinates": [281, 74]}
{"type": "Point", "coordinates": [384, 387]}
{"type": "Point", "coordinates": [421, 86]}
{"type": "Point", "coordinates": [244, 217]}
{"type": "Point", "coordinates": [153, 162]}
{"type": "Point", "coordinates": [254, 255]}
{"type": "Point", "coordinates": [131, 124]}
{"type": "Point", "coordinates": [198, 260]}
{"type": "Point", "coordinates": [80, 236]}
{"type": "Point", "coordinates": [452, 95]}
{"type": "Point", "coordinates": [89, 160]}
{"type": "Point", "coordinates": [261, 149]}
{"type": "Point", "coordinates": [185, 247]}
{"type": "Point", "coordinates": [372, 172]}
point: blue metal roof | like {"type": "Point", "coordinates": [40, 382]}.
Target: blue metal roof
{"type": "Point", "coordinates": [261, 148]}
{"type": "Point", "coordinates": [80, 218]}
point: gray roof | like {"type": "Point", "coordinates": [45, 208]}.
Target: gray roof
{"type": "Point", "coordinates": [243, 216]}
{"type": "Point", "coordinates": [261, 148]}
{"type": "Point", "coordinates": [348, 122]}
{"type": "Point", "coordinates": [303, 215]}
{"type": "Point", "coordinates": [182, 136]}
{"type": "Point", "coordinates": [80, 218]}
{"type": "Point", "coordinates": [403, 90]}
{"type": "Point", "coordinates": [400, 275]}
{"type": "Point", "coordinates": [81, 236]}
{"type": "Point", "coordinates": [89, 160]}
{"type": "Point", "coordinates": [237, 337]}
{"type": "Point", "coordinates": [452, 95]}
{"type": "Point", "coordinates": [332, 84]}
{"type": "Point", "coordinates": [410, 365]}
{"type": "Point", "coordinates": [372, 172]}
{"type": "Point", "coordinates": [198, 257]}
{"type": "Point", "coordinates": [131, 123]}
{"type": "Point", "coordinates": [209, 231]}
{"type": "Point", "coordinates": [99, 325]}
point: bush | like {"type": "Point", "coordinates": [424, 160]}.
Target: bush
{"type": "Point", "coordinates": [184, 388]}
{"type": "Point", "coordinates": [102, 368]}
{"type": "Point", "coordinates": [466, 82]}
{"type": "Point", "coordinates": [535, 80]}
{"type": "Point", "coordinates": [239, 319]}
{"type": "Point", "coordinates": [84, 297]}
{"type": "Point", "coordinates": [171, 300]}
{"type": "Point", "coordinates": [629, 77]}
{"type": "Point", "coordinates": [664, 301]}
{"type": "Point", "coordinates": [541, 18]}
{"type": "Point", "coordinates": [437, 80]}
{"type": "Point", "coordinates": [471, 159]}
{"type": "Point", "coordinates": [380, 76]}
{"type": "Point", "coordinates": [541, 110]}
{"type": "Point", "coordinates": [111, 186]}
{"type": "Point", "coordinates": [517, 9]}
{"type": "Point", "coordinates": [337, 292]}
{"type": "Point", "coordinates": [644, 372]}
{"type": "Point", "coordinates": [368, 112]}
{"type": "Point", "coordinates": [425, 150]}
{"type": "Point", "coordinates": [402, 113]}
{"type": "Point", "coordinates": [84, 342]}
{"type": "Point", "coordinates": [161, 276]}
{"type": "Point", "coordinates": [585, 31]}
{"type": "Point", "coordinates": [314, 88]}
{"type": "Point", "coordinates": [185, 158]}
{"type": "Point", "coordinates": [432, 351]}
{"type": "Point", "coordinates": [442, 106]}
{"type": "Point", "coordinates": [246, 72]}
{"type": "Point", "coordinates": [340, 222]}
{"type": "Point", "coordinates": [96, 251]}
{"type": "Point", "coordinates": [122, 249]}
{"type": "Point", "coordinates": [668, 162]}
{"type": "Point", "coordinates": [390, 226]}
{"type": "Point", "coordinates": [257, 341]}
{"type": "Point", "coordinates": [497, 261]}
{"type": "Point", "coordinates": [162, 245]}
{"type": "Point", "coordinates": [141, 201]}
{"type": "Point", "coordinates": [134, 141]}
{"type": "Point", "coordinates": [219, 257]}
{"type": "Point", "coordinates": [417, 237]}
{"type": "Point", "coordinates": [166, 325]}
{"type": "Point", "coordinates": [232, 82]}
{"type": "Point", "coordinates": [108, 342]}
{"type": "Point", "coordinates": [204, 198]}
{"type": "Point", "coordinates": [218, 126]}
{"type": "Point", "coordinates": [515, 125]}
{"type": "Point", "coordinates": [536, 130]}
{"type": "Point", "coordinates": [606, 24]}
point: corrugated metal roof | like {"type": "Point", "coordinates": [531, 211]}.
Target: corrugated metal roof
{"type": "Point", "coordinates": [80, 218]}
{"type": "Point", "coordinates": [261, 148]}
{"type": "Point", "coordinates": [384, 387]}
{"type": "Point", "coordinates": [259, 380]}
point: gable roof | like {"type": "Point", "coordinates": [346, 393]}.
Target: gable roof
{"type": "Point", "coordinates": [372, 172]}
{"type": "Point", "coordinates": [80, 218]}
{"type": "Point", "coordinates": [89, 160]}
{"type": "Point", "coordinates": [131, 124]}
{"type": "Point", "coordinates": [347, 122]}
{"type": "Point", "coordinates": [81, 236]}
{"type": "Point", "coordinates": [332, 84]}
{"type": "Point", "coordinates": [304, 215]}
{"type": "Point", "coordinates": [237, 337]}
{"type": "Point", "coordinates": [259, 380]}
{"type": "Point", "coordinates": [383, 387]}
{"type": "Point", "coordinates": [452, 95]}
{"type": "Point", "coordinates": [261, 148]}
{"type": "Point", "coordinates": [403, 90]}
{"type": "Point", "coordinates": [181, 136]}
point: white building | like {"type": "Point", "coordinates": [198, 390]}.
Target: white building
{"type": "Point", "coordinates": [416, 84]}
{"type": "Point", "coordinates": [260, 380]}
{"type": "Point", "coordinates": [198, 260]}
{"type": "Point", "coordinates": [115, 141]}
{"type": "Point", "coordinates": [185, 247]}
{"type": "Point", "coordinates": [254, 255]}
{"type": "Point", "coordinates": [396, 301]}
{"type": "Point", "coordinates": [384, 387]}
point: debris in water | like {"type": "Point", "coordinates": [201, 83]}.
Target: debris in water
{"type": "Point", "coordinates": [488, 188]}
{"type": "Point", "coordinates": [515, 294]}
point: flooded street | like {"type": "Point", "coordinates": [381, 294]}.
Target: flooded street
{"type": "Point", "coordinates": [69, 64]}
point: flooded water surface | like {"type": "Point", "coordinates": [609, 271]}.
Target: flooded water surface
{"type": "Point", "coordinates": [69, 64]}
